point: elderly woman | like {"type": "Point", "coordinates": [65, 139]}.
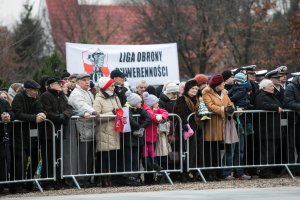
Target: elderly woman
{"type": "Point", "coordinates": [107, 140]}
{"type": "Point", "coordinates": [218, 102]}
{"type": "Point", "coordinates": [270, 129]}
{"type": "Point", "coordinates": [185, 105]}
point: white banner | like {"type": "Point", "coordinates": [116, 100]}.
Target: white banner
{"type": "Point", "coordinates": [155, 63]}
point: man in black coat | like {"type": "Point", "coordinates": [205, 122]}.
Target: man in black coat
{"type": "Point", "coordinates": [55, 103]}
{"type": "Point", "coordinates": [270, 126]}
{"type": "Point", "coordinates": [5, 154]}
{"type": "Point", "coordinates": [120, 90]}
{"type": "Point", "coordinates": [292, 101]}
{"type": "Point", "coordinates": [28, 109]}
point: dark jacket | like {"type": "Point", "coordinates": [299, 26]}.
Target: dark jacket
{"type": "Point", "coordinates": [292, 100]}
{"type": "Point", "coordinates": [5, 107]}
{"type": "Point", "coordinates": [279, 94]}
{"type": "Point", "coordinates": [25, 109]}
{"type": "Point", "coordinates": [270, 127]}
{"type": "Point", "coordinates": [57, 108]}
{"type": "Point", "coordinates": [239, 95]}
{"type": "Point", "coordinates": [183, 111]}
{"type": "Point", "coordinates": [166, 103]}
{"type": "Point", "coordinates": [292, 95]}
{"type": "Point", "coordinates": [254, 92]}
{"type": "Point", "coordinates": [136, 122]}
{"type": "Point", "coordinates": [120, 92]}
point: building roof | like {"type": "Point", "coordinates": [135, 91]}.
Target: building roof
{"type": "Point", "coordinates": [100, 24]}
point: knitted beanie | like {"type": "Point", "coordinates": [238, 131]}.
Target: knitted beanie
{"type": "Point", "coordinates": [240, 77]}
{"type": "Point", "coordinates": [201, 79]}
{"type": "Point", "coordinates": [216, 80]}
{"type": "Point", "coordinates": [172, 87]}
{"type": "Point", "coordinates": [105, 82]}
{"type": "Point", "coordinates": [149, 99]}
{"type": "Point", "coordinates": [133, 98]}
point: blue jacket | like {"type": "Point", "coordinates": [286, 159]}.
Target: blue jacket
{"type": "Point", "coordinates": [238, 94]}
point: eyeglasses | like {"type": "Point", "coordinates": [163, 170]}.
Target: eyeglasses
{"type": "Point", "coordinates": [174, 93]}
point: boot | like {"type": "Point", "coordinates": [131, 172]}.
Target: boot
{"type": "Point", "coordinates": [109, 181]}
{"type": "Point", "coordinates": [155, 166]}
{"type": "Point", "coordinates": [147, 164]}
{"type": "Point", "coordinates": [104, 181]}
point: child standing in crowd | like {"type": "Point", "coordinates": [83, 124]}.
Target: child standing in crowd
{"type": "Point", "coordinates": [134, 139]}
{"type": "Point", "coordinates": [157, 115]}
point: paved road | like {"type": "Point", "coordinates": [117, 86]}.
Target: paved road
{"type": "Point", "coordinates": [286, 193]}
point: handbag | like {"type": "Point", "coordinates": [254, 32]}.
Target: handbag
{"type": "Point", "coordinates": [164, 126]}
{"type": "Point", "coordinates": [174, 157]}
{"type": "Point", "coordinates": [230, 132]}
{"type": "Point", "coordinates": [187, 134]}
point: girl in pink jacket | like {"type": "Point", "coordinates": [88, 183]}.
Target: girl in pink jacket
{"type": "Point", "coordinates": [157, 115]}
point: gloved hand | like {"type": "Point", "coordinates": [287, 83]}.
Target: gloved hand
{"type": "Point", "coordinates": [139, 132]}
{"type": "Point", "coordinates": [62, 118]}
{"type": "Point", "coordinates": [229, 110]}
{"type": "Point", "coordinates": [158, 117]}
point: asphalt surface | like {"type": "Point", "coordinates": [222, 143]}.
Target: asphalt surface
{"type": "Point", "coordinates": [283, 193]}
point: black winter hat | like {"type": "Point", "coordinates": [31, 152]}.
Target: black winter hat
{"type": "Point", "coordinates": [188, 85]}
{"type": "Point", "coordinates": [116, 73]}
{"type": "Point", "coordinates": [227, 74]}
{"type": "Point", "coordinates": [31, 84]}
{"type": "Point", "coordinates": [52, 80]}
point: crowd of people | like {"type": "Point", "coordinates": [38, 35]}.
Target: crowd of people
{"type": "Point", "coordinates": [93, 145]}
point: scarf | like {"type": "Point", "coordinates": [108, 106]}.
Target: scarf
{"type": "Point", "coordinates": [191, 105]}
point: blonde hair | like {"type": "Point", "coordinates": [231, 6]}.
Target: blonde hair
{"type": "Point", "coordinates": [9, 98]}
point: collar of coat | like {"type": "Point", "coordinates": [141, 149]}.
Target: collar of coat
{"type": "Point", "coordinates": [209, 90]}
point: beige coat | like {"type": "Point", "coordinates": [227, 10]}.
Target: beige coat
{"type": "Point", "coordinates": [106, 138]}
{"type": "Point", "coordinates": [214, 128]}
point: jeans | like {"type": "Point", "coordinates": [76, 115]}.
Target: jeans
{"type": "Point", "coordinates": [234, 156]}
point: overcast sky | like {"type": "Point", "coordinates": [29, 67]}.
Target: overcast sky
{"type": "Point", "coordinates": [10, 10]}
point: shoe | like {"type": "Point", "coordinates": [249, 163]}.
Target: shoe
{"type": "Point", "coordinates": [243, 177]}
{"type": "Point", "coordinates": [104, 181]}
{"type": "Point", "coordinates": [156, 167]}
{"type": "Point", "coordinates": [229, 178]}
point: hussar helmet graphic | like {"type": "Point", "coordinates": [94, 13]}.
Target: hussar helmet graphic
{"type": "Point", "coordinates": [97, 59]}
{"type": "Point", "coordinates": [94, 63]}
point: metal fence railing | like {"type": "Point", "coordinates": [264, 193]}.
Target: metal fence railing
{"type": "Point", "coordinates": [264, 140]}
{"type": "Point", "coordinates": [90, 147]}
{"type": "Point", "coordinates": [28, 153]}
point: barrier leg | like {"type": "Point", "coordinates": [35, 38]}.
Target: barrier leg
{"type": "Point", "coordinates": [202, 177]}
{"type": "Point", "coordinates": [76, 183]}
{"type": "Point", "coordinates": [168, 177]}
{"type": "Point", "coordinates": [39, 186]}
{"type": "Point", "coordinates": [289, 171]}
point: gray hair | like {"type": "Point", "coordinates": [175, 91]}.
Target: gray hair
{"type": "Point", "coordinates": [264, 83]}
{"type": "Point", "coordinates": [141, 82]}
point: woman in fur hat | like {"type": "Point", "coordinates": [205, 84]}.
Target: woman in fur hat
{"type": "Point", "coordinates": [185, 105]}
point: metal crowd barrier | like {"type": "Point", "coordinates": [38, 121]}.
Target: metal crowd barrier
{"type": "Point", "coordinates": [266, 139]}
{"type": "Point", "coordinates": [120, 155]}
{"type": "Point", "coordinates": [28, 153]}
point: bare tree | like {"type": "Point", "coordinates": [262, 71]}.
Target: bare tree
{"type": "Point", "coordinates": [83, 23]}
{"type": "Point", "coordinates": [183, 22]}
